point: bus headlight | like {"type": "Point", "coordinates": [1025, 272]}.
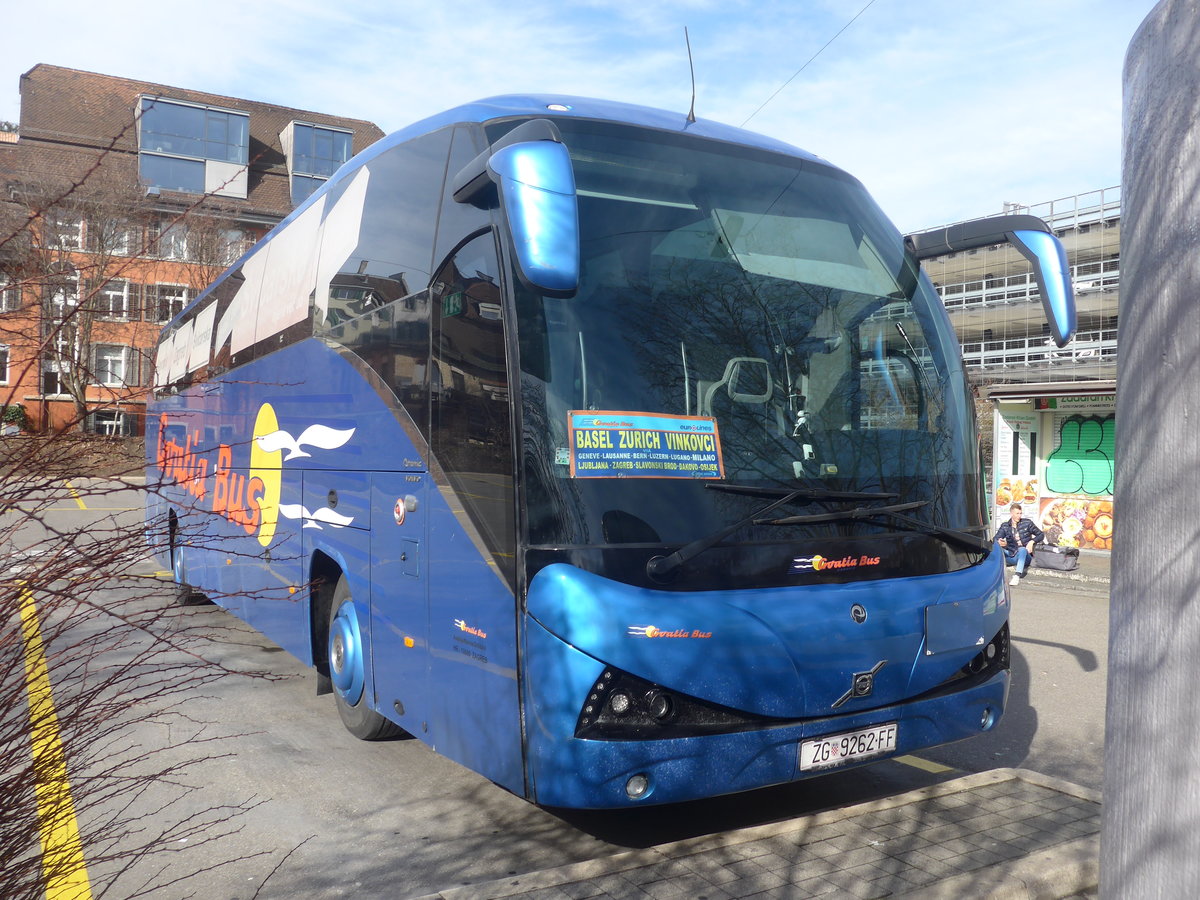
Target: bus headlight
{"type": "Point", "coordinates": [659, 705]}
{"type": "Point", "coordinates": [620, 703]}
{"type": "Point", "coordinates": [622, 707]}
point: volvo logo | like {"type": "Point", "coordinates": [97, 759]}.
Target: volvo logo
{"type": "Point", "coordinates": [862, 683]}
{"type": "Point", "coordinates": [858, 613]}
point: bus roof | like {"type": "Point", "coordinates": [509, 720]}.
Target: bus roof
{"type": "Point", "coordinates": [512, 106]}
{"type": "Point", "coordinates": [526, 106]}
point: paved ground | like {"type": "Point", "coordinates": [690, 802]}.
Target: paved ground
{"type": "Point", "coordinates": [1007, 833]}
{"type": "Point", "coordinates": [1003, 835]}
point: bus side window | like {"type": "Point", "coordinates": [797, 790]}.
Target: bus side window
{"type": "Point", "coordinates": [471, 430]}
{"type": "Point", "coordinates": [376, 302]}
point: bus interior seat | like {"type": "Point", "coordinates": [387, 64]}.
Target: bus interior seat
{"type": "Point", "coordinates": [747, 383]}
{"type": "Point", "coordinates": [739, 381]}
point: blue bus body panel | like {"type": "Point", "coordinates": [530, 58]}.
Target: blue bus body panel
{"type": "Point", "coordinates": [475, 716]}
{"type": "Point", "coordinates": [794, 647]}
{"type": "Point", "coordinates": [592, 774]}
{"type": "Point", "coordinates": [450, 662]}
{"type": "Point", "coordinates": [784, 653]}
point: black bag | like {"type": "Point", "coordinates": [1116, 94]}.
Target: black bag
{"type": "Point", "coordinates": [1062, 558]}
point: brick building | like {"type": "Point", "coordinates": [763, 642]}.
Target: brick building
{"type": "Point", "coordinates": [121, 200]}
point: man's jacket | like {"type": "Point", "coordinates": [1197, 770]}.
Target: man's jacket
{"type": "Point", "coordinates": [1026, 531]}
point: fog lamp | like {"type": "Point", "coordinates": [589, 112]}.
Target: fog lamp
{"type": "Point", "coordinates": [636, 786]}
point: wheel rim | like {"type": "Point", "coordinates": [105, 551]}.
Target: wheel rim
{"type": "Point", "coordinates": [345, 655]}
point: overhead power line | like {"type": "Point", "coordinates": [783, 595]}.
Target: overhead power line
{"type": "Point", "coordinates": [810, 59]}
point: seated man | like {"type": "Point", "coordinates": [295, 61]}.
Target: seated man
{"type": "Point", "coordinates": [1017, 538]}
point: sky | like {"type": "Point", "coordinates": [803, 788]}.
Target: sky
{"type": "Point", "coordinates": [944, 109]}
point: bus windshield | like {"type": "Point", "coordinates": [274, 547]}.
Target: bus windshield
{"type": "Point", "coordinates": [758, 297]}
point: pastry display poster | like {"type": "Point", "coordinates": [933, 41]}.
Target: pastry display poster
{"type": "Point", "coordinates": [1077, 522]}
{"type": "Point", "coordinates": [1016, 462]}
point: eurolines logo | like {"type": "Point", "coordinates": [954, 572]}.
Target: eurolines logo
{"type": "Point", "coordinates": [825, 564]}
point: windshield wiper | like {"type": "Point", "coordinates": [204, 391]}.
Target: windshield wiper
{"type": "Point", "coordinates": [896, 512]}
{"type": "Point", "coordinates": [952, 535]}
{"type": "Point", "coordinates": [841, 515]}
{"type": "Point", "coordinates": [798, 494]}
{"type": "Point", "coordinates": [659, 567]}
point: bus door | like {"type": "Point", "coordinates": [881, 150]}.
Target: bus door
{"type": "Point", "coordinates": [399, 598]}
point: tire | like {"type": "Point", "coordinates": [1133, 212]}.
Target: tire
{"type": "Point", "coordinates": [347, 670]}
{"type": "Point", "coordinates": [185, 594]}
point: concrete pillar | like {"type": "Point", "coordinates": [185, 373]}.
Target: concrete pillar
{"type": "Point", "coordinates": [1151, 831]}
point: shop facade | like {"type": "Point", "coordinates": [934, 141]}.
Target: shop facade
{"type": "Point", "coordinates": [1053, 452]}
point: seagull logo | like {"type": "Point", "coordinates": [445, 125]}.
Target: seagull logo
{"type": "Point", "coordinates": [320, 436]}
{"type": "Point", "coordinates": [314, 519]}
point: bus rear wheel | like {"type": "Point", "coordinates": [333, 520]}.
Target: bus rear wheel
{"type": "Point", "coordinates": [347, 670]}
{"type": "Point", "coordinates": [185, 594]}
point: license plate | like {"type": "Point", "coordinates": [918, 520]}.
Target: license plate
{"type": "Point", "coordinates": [839, 749]}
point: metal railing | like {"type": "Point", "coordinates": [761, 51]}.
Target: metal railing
{"type": "Point", "coordinates": [1088, 348]}
{"type": "Point", "coordinates": [1094, 276]}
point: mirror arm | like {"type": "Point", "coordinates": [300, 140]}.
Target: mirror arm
{"type": "Point", "coordinates": [1036, 242]}
{"type": "Point", "coordinates": [473, 179]}
{"type": "Point", "coordinates": [971, 235]}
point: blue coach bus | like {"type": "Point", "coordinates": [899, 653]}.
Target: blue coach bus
{"type": "Point", "coordinates": [622, 458]}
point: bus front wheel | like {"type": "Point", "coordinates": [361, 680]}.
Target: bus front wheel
{"type": "Point", "coordinates": [347, 670]}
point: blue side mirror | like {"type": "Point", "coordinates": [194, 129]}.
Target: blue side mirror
{"type": "Point", "coordinates": [1049, 260]}
{"type": "Point", "coordinates": [537, 195]}
{"type": "Point", "coordinates": [1037, 243]}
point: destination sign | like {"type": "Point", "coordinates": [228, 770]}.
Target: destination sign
{"type": "Point", "coordinates": [615, 444]}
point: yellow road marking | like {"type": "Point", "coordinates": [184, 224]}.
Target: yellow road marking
{"type": "Point", "coordinates": [925, 765]}
{"type": "Point", "coordinates": [63, 865]}
{"type": "Point", "coordinates": [75, 494]}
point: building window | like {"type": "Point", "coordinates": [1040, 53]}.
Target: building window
{"type": "Point", "coordinates": [3, 364]}
{"type": "Point", "coordinates": [112, 237]}
{"type": "Point", "coordinates": [109, 422]}
{"type": "Point", "coordinates": [314, 153]}
{"type": "Point", "coordinates": [63, 231]}
{"type": "Point", "coordinates": [234, 242]}
{"type": "Point", "coordinates": [166, 302]}
{"type": "Point", "coordinates": [169, 239]}
{"type": "Point", "coordinates": [174, 174]}
{"type": "Point", "coordinates": [193, 148]}
{"type": "Point", "coordinates": [112, 300]}
{"type": "Point", "coordinates": [112, 368]}
{"type": "Point", "coordinates": [64, 298]}
{"type": "Point", "coordinates": [51, 382]}
{"type": "Point", "coordinates": [319, 151]}
{"type": "Point", "coordinates": [10, 296]}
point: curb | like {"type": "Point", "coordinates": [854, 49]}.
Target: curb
{"type": "Point", "coordinates": [1078, 577]}
{"type": "Point", "coordinates": [1057, 872]}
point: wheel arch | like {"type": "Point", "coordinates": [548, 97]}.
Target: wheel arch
{"type": "Point", "coordinates": [324, 571]}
